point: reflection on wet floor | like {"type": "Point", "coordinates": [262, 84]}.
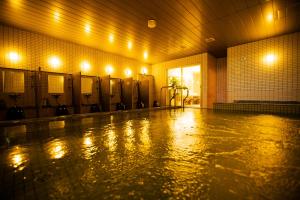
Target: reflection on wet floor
{"type": "Point", "coordinates": [17, 158]}
{"type": "Point", "coordinates": [191, 154]}
{"type": "Point", "coordinates": [56, 149]}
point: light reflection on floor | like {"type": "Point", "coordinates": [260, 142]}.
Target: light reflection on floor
{"type": "Point", "coordinates": [191, 154]}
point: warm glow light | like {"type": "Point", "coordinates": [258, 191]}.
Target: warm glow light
{"type": "Point", "coordinates": [270, 59]}
{"type": "Point", "coordinates": [85, 66]}
{"type": "Point", "coordinates": [145, 55]}
{"type": "Point", "coordinates": [14, 57]}
{"type": "Point", "coordinates": [87, 28]}
{"type": "Point", "coordinates": [128, 72]}
{"type": "Point", "coordinates": [270, 17]}
{"type": "Point", "coordinates": [16, 3]}
{"type": "Point", "coordinates": [144, 70]}
{"type": "Point", "coordinates": [56, 149]}
{"type": "Point", "coordinates": [129, 45]}
{"type": "Point", "coordinates": [87, 141]}
{"type": "Point", "coordinates": [18, 158]}
{"type": "Point", "coordinates": [111, 38]}
{"type": "Point", "coordinates": [54, 61]}
{"type": "Point", "coordinates": [109, 69]}
{"type": "Point", "coordinates": [56, 16]}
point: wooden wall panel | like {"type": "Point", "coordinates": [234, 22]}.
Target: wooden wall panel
{"type": "Point", "coordinates": [128, 85]}
{"type": "Point", "coordinates": [105, 93]}
{"type": "Point", "coordinates": [221, 80]}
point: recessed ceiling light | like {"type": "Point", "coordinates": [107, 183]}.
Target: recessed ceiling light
{"type": "Point", "coordinates": [151, 23]}
{"type": "Point", "coordinates": [145, 55]}
{"type": "Point", "coordinates": [129, 45]}
{"type": "Point", "coordinates": [56, 16]}
{"type": "Point", "coordinates": [111, 38]}
{"type": "Point", "coordinates": [87, 28]}
{"type": "Point", "coordinates": [211, 39]}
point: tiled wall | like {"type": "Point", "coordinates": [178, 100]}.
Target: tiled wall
{"type": "Point", "coordinates": [35, 49]}
{"type": "Point", "coordinates": [275, 108]}
{"type": "Point", "coordinates": [221, 80]}
{"type": "Point", "coordinates": [251, 74]}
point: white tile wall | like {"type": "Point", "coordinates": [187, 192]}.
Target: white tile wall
{"type": "Point", "coordinates": [35, 50]}
{"type": "Point", "coordinates": [221, 80]}
{"type": "Point", "coordinates": [250, 78]}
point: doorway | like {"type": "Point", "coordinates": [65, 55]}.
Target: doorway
{"type": "Point", "coordinates": [190, 77]}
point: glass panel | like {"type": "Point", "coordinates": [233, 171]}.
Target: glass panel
{"type": "Point", "coordinates": [55, 84]}
{"type": "Point", "coordinates": [174, 76]}
{"type": "Point", "coordinates": [192, 79]}
{"type": "Point", "coordinates": [86, 85]}
{"type": "Point", "coordinates": [174, 79]}
{"type": "Point", "coordinates": [114, 87]}
{"type": "Point", "coordinates": [13, 82]}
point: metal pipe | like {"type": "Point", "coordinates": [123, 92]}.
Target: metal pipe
{"type": "Point", "coordinates": [164, 87]}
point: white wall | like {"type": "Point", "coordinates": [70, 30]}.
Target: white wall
{"type": "Point", "coordinates": [249, 77]}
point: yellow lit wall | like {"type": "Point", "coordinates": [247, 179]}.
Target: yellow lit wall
{"type": "Point", "coordinates": [221, 80]}
{"type": "Point", "coordinates": [36, 50]}
{"type": "Point", "coordinates": [208, 73]}
{"type": "Point", "coordinates": [265, 70]}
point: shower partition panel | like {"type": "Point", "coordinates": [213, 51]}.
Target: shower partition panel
{"type": "Point", "coordinates": [55, 89]}
{"type": "Point", "coordinates": [17, 89]}
{"type": "Point", "coordinates": [110, 93]}
{"type": "Point", "coordinates": [146, 89]}
{"type": "Point", "coordinates": [129, 88]}
{"type": "Point", "coordinates": [105, 93]}
{"type": "Point", "coordinates": [86, 93]}
{"type": "Point", "coordinates": [115, 93]}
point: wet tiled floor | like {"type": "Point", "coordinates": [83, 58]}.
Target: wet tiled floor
{"type": "Point", "coordinates": [166, 154]}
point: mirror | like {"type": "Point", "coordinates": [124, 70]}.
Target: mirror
{"type": "Point", "coordinates": [55, 84]}
{"type": "Point", "coordinates": [86, 85]}
{"type": "Point", "coordinates": [13, 82]}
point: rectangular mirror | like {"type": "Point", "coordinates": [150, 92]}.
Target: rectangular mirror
{"type": "Point", "coordinates": [55, 84]}
{"type": "Point", "coordinates": [13, 82]}
{"type": "Point", "coordinates": [86, 85]}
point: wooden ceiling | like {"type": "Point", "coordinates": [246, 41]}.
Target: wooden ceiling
{"type": "Point", "coordinates": [182, 25]}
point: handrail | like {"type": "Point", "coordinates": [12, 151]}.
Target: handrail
{"type": "Point", "coordinates": [163, 87]}
{"type": "Point", "coordinates": [174, 94]}
{"type": "Point", "coordinates": [187, 93]}
{"type": "Point", "coordinates": [173, 97]}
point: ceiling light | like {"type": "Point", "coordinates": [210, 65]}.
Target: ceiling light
{"type": "Point", "coordinates": [145, 55]}
{"type": "Point", "coordinates": [111, 38]}
{"type": "Point", "coordinates": [56, 16]}
{"type": "Point", "coordinates": [151, 23]}
{"type": "Point", "coordinates": [87, 28]}
{"type": "Point", "coordinates": [211, 39]}
{"type": "Point", "coordinates": [129, 45]}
